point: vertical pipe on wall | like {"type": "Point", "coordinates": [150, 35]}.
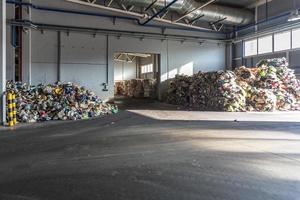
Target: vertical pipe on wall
{"type": "Point", "coordinates": [167, 59]}
{"type": "Point", "coordinates": [107, 59]}
{"type": "Point", "coordinates": [256, 18]}
{"type": "Point", "coordinates": [158, 76]}
{"type": "Point", "coordinates": [136, 67]}
{"type": "Point", "coordinates": [58, 56]}
{"type": "Point", "coordinates": [243, 50]}
{"type": "Point", "coordinates": [18, 44]}
{"type": "Point", "coordinates": [291, 36]}
{"type": "Point", "coordinates": [229, 56]}
{"type": "Point", "coordinates": [14, 36]}
{"type": "Point", "coordinates": [105, 84]}
{"type": "Point", "coordinates": [267, 10]}
{"type": "Point", "coordinates": [273, 42]}
{"type": "Point", "coordinates": [123, 71]}
{"type": "Point", "coordinates": [3, 61]}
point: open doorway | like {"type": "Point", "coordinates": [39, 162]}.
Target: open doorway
{"type": "Point", "coordinates": [136, 75]}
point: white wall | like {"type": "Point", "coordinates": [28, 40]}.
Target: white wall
{"type": "Point", "coordinates": [83, 60]}
{"type": "Point", "coordinates": [84, 57]}
{"type": "Point", "coordinates": [189, 58]}
{"type": "Point", "coordinates": [124, 71]}
{"type": "Point", "coordinates": [44, 57]}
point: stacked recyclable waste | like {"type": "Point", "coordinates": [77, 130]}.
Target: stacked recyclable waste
{"type": "Point", "coordinates": [120, 87]}
{"type": "Point", "coordinates": [281, 81]}
{"type": "Point", "coordinates": [268, 87]}
{"type": "Point", "coordinates": [179, 90]}
{"type": "Point", "coordinates": [137, 88]}
{"type": "Point", "coordinates": [61, 101]}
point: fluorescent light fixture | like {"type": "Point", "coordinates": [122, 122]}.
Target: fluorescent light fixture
{"type": "Point", "coordinates": [294, 16]}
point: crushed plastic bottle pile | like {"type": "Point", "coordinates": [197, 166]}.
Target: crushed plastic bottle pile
{"type": "Point", "coordinates": [270, 86]}
{"type": "Point", "coordinates": [61, 101]}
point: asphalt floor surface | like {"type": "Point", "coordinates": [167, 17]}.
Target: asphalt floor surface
{"type": "Point", "coordinates": [154, 151]}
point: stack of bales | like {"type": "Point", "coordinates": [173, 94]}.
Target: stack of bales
{"type": "Point", "coordinates": [149, 86]}
{"type": "Point", "coordinates": [137, 88]}
{"type": "Point", "coordinates": [120, 88]}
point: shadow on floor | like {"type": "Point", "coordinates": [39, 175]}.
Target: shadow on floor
{"type": "Point", "coordinates": [126, 119]}
{"type": "Point", "coordinates": [129, 156]}
{"type": "Point", "coordinates": [132, 157]}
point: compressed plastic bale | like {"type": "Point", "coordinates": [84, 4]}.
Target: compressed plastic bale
{"type": "Point", "coordinates": [120, 88]}
{"type": "Point", "coordinates": [149, 86]}
{"type": "Point", "coordinates": [138, 89]}
{"type": "Point", "coordinates": [127, 87]}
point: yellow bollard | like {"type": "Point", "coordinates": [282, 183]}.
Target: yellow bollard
{"type": "Point", "coordinates": [10, 113]}
{"type": "Point", "coordinates": [11, 109]}
{"type": "Point", "coordinates": [14, 109]}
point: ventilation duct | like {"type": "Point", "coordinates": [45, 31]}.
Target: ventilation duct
{"type": "Point", "coordinates": [210, 13]}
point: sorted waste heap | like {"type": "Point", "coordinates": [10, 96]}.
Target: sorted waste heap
{"type": "Point", "coordinates": [270, 86]}
{"type": "Point", "coordinates": [61, 101]}
{"type": "Point", "coordinates": [138, 88]}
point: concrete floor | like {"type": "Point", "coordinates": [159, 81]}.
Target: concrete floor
{"type": "Point", "coordinates": [145, 153]}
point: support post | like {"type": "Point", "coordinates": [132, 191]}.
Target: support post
{"type": "Point", "coordinates": [2, 61]}
{"type": "Point", "coordinates": [58, 56]}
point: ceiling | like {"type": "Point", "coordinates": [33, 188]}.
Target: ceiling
{"type": "Point", "coordinates": [234, 3]}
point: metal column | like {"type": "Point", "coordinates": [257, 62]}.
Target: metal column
{"type": "Point", "coordinates": [2, 61]}
{"type": "Point", "coordinates": [58, 56]}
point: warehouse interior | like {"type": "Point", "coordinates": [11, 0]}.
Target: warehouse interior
{"type": "Point", "coordinates": [149, 99]}
{"type": "Point", "coordinates": [136, 75]}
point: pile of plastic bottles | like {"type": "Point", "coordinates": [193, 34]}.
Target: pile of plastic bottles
{"type": "Point", "coordinates": [61, 101]}
{"type": "Point", "coordinates": [268, 87]}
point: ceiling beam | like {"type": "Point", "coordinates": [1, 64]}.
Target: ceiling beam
{"type": "Point", "coordinates": [258, 3]}
{"type": "Point", "coordinates": [195, 9]}
{"type": "Point", "coordinates": [139, 15]}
